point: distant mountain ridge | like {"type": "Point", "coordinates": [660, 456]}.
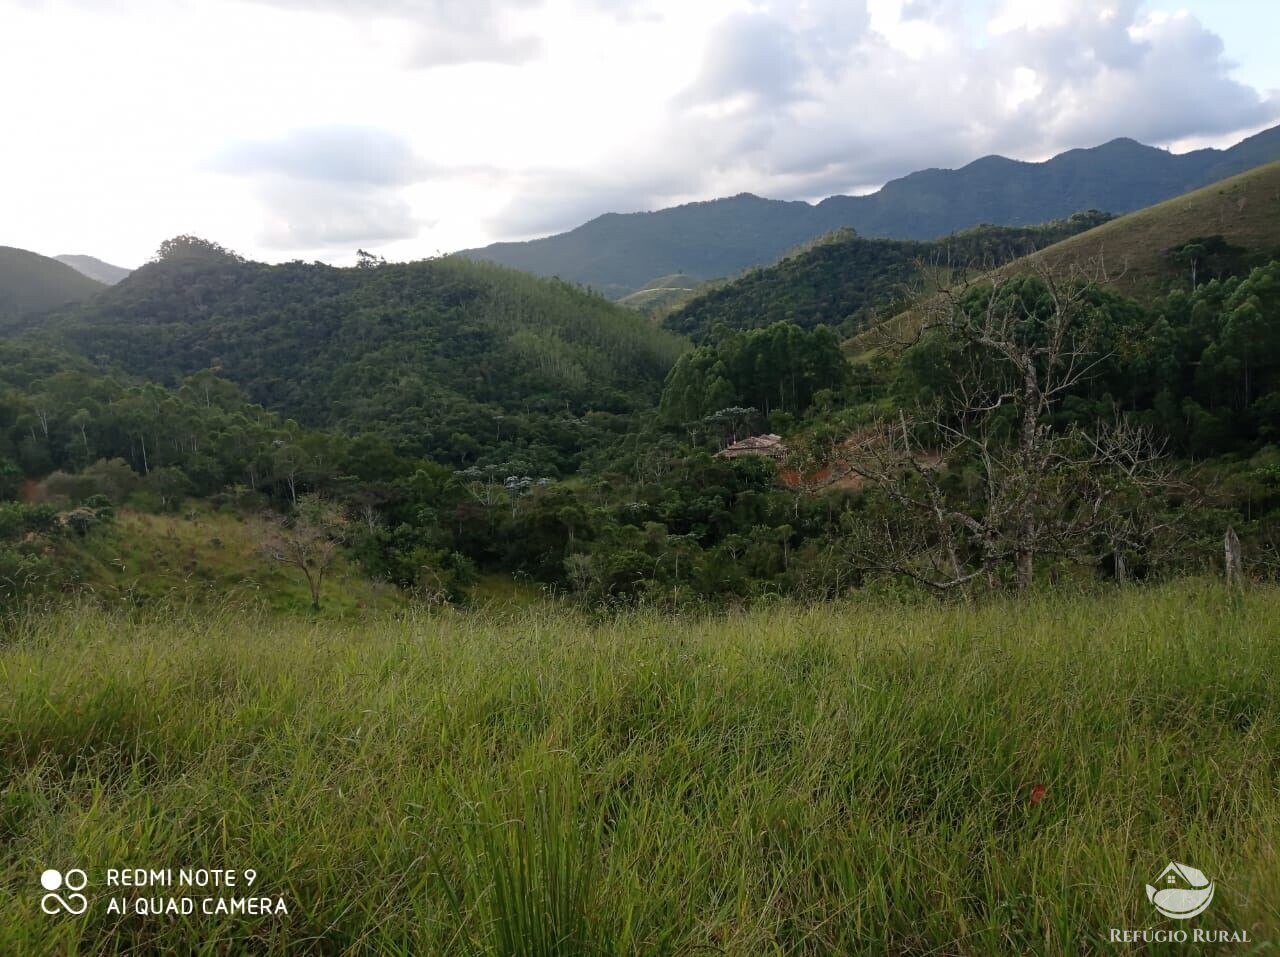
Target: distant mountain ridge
{"type": "Point", "coordinates": [31, 284]}
{"type": "Point", "coordinates": [618, 253]}
{"type": "Point", "coordinates": [95, 268]}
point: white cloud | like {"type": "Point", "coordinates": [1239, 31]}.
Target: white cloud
{"type": "Point", "coordinates": [323, 216]}
{"type": "Point", "coordinates": [290, 128]}
{"type": "Point", "coordinates": [752, 62]}
{"type": "Point", "coordinates": [352, 155]}
{"type": "Point", "coordinates": [1049, 76]}
{"type": "Point", "coordinates": [445, 32]}
{"type": "Point", "coordinates": [1155, 79]}
{"type": "Point", "coordinates": [330, 187]}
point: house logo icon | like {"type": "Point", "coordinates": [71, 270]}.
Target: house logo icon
{"type": "Point", "coordinates": [1181, 891]}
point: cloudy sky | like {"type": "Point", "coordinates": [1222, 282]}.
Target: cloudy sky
{"type": "Point", "coordinates": [307, 128]}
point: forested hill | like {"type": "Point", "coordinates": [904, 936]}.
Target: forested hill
{"type": "Point", "coordinates": [846, 281]}
{"type": "Point", "coordinates": [31, 284]}
{"type": "Point", "coordinates": [618, 254]}
{"type": "Point", "coordinates": [458, 360]}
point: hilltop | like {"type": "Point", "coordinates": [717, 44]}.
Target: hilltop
{"type": "Point", "coordinates": [1244, 210]}
{"type": "Point", "coordinates": [31, 284]}
{"type": "Point", "coordinates": [445, 357]}
{"type": "Point", "coordinates": [620, 253]}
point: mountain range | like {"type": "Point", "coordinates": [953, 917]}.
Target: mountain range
{"type": "Point", "coordinates": [95, 268]}
{"type": "Point", "coordinates": [618, 254]}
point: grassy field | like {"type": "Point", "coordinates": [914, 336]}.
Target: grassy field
{"type": "Point", "coordinates": [1245, 209]}
{"type": "Point", "coordinates": [862, 778]}
{"type": "Point", "coordinates": [203, 556]}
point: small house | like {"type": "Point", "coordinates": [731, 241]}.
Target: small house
{"type": "Point", "coordinates": [771, 446]}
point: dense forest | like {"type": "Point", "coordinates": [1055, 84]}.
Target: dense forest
{"type": "Point", "coordinates": [846, 281]}
{"type": "Point", "coordinates": [621, 496]}
{"type": "Point", "coordinates": [465, 362]}
{"type": "Point", "coordinates": [777, 371]}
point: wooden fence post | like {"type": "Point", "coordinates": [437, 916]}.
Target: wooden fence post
{"type": "Point", "coordinates": [1231, 554]}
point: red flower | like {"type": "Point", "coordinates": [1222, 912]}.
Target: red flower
{"type": "Point", "coordinates": [1037, 794]}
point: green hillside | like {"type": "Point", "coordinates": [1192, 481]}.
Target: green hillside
{"type": "Point", "coordinates": [1244, 210]}
{"type": "Point", "coordinates": [619, 253]}
{"type": "Point", "coordinates": [675, 280]}
{"type": "Point", "coordinates": [662, 295]}
{"type": "Point", "coordinates": [207, 555]}
{"type": "Point", "coordinates": [1139, 253]}
{"type": "Point", "coordinates": [445, 357]}
{"type": "Point", "coordinates": [845, 280]}
{"type": "Point", "coordinates": [31, 284]}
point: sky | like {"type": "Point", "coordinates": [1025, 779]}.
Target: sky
{"type": "Point", "coordinates": [305, 129]}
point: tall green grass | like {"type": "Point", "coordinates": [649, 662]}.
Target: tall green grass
{"type": "Point", "coordinates": [841, 779]}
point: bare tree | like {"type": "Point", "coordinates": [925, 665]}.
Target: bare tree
{"type": "Point", "coordinates": [308, 540]}
{"type": "Point", "coordinates": [1030, 487]}
{"type": "Point", "coordinates": [482, 481]}
{"type": "Point", "coordinates": [370, 517]}
{"type": "Point", "coordinates": [288, 463]}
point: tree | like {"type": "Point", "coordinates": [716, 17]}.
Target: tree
{"type": "Point", "coordinates": [730, 421]}
{"type": "Point", "coordinates": [1208, 255]}
{"type": "Point", "coordinates": [778, 368]}
{"type": "Point", "coordinates": [988, 474]}
{"type": "Point", "coordinates": [288, 464]}
{"type": "Point", "coordinates": [193, 247]}
{"type": "Point", "coordinates": [168, 484]}
{"type": "Point", "coordinates": [308, 540]}
{"type": "Point", "coordinates": [113, 478]}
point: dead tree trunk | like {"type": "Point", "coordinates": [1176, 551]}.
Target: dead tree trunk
{"type": "Point", "coordinates": [1016, 352]}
